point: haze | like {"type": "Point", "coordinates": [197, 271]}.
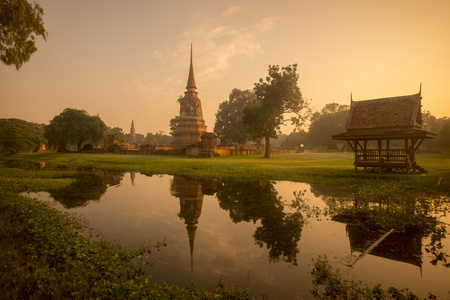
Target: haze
{"type": "Point", "coordinates": [126, 60]}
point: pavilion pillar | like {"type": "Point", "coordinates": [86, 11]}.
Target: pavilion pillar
{"type": "Point", "coordinates": [407, 157]}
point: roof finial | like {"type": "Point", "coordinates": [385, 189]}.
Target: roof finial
{"type": "Point", "coordinates": [191, 79]}
{"type": "Point", "coordinates": [420, 90]}
{"type": "Point", "coordinates": [351, 97]}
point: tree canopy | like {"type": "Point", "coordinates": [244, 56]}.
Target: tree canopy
{"type": "Point", "coordinates": [16, 135]}
{"type": "Point", "coordinates": [76, 127]}
{"type": "Point", "coordinates": [330, 120]}
{"type": "Point", "coordinates": [229, 126]}
{"type": "Point", "coordinates": [20, 24]}
{"type": "Point", "coordinates": [159, 138]}
{"type": "Point", "coordinates": [278, 102]}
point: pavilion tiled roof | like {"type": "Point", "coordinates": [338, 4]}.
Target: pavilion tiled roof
{"type": "Point", "coordinates": [403, 111]}
{"type": "Point", "coordinates": [393, 117]}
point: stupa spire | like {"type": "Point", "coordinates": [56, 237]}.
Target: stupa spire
{"type": "Point", "coordinates": [191, 79]}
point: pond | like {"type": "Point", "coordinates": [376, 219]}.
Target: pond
{"type": "Point", "coordinates": [263, 233]}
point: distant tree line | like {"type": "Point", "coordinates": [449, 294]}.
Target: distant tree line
{"type": "Point", "coordinates": [159, 138]}
{"type": "Point", "coordinates": [241, 119]}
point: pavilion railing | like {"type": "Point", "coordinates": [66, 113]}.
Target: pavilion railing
{"type": "Point", "coordinates": [376, 155]}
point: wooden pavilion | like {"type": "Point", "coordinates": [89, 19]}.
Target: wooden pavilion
{"type": "Point", "coordinates": [386, 133]}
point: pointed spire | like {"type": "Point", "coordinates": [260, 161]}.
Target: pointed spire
{"type": "Point", "coordinates": [191, 79]}
{"type": "Point", "coordinates": [420, 89]}
{"type": "Point", "coordinates": [132, 123]}
{"type": "Point", "coordinates": [191, 228]}
{"type": "Point", "coordinates": [351, 97]}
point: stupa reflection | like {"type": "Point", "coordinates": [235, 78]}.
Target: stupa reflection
{"type": "Point", "coordinates": [191, 192]}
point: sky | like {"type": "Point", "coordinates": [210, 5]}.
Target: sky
{"type": "Point", "coordinates": [129, 60]}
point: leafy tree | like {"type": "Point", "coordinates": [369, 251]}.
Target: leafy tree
{"type": "Point", "coordinates": [294, 140]}
{"type": "Point", "coordinates": [435, 125]}
{"type": "Point", "coordinates": [331, 120]}
{"type": "Point", "coordinates": [158, 138]}
{"type": "Point", "coordinates": [20, 24]}
{"type": "Point", "coordinates": [74, 126]}
{"type": "Point", "coordinates": [173, 124]}
{"type": "Point", "coordinates": [444, 135]}
{"type": "Point", "coordinates": [228, 126]}
{"type": "Point", "coordinates": [278, 102]}
{"type": "Point", "coordinates": [115, 130]}
{"type": "Point", "coordinates": [16, 134]}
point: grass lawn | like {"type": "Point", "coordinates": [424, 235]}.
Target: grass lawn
{"type": "Point", "coordinates": [324, 168]}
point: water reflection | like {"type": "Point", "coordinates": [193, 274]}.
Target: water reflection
{"type": "Point", "coordinates": [89, 186]}
{"type": "Point", "coordinates": [265, 230]}
{"type": "Point", "coordinates": [190, 192]}
{"type": "Point", "coordinates": [252, 201]}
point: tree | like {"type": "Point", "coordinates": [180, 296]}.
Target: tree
{"type": "Point", "coordinates": [278, 102]}
{"type": "Point", "coordinates": [16, 134]}
{"type": "Point", "coordinates": [331, 120]}
{"type": "Point", "coordinates": [173, 124]}
{"type": "Point", "coordinates": [159, 138]}
{"type": "Point", "coordinates": [435, 125]}
{"type": "Point", "coordinates": [20, 24]}
{"type": "Point", "coordinates": [228, 126]}
{"type": "Point", "coordinates": [294, 140]}
{"type": "Point", "coordinates": [74, 126]}
{"type": "Point", "coordinates": [444, 135]}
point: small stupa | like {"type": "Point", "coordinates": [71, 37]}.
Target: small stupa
{"type": "Point", "coordinates": [132, 137]}
{"type": "Point", "coordinates": [191, 124]}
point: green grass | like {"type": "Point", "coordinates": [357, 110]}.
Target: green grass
{"type": "Point", "coordinates": [334, 169]}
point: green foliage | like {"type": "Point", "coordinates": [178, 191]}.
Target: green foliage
{"type": "Point", "coordinates": [228, 126]}
{"type": "Point", "coordinates": [331, 120]}
{"type": "Point", "coordinates": [158, 138]}
{"type": "Point", "coordinates": [444, 135]}
{"type": "Point", "coordinates": [16, 134]}
{"type": "Point", "coordinates": [294, 140]}
{"type": "Point", "coordinates": [173, 124]}
{"type": "Point", "coordinates": [278, 101]}
{"type": "Point", "coordinates": [329, 284]}
{"type": "Point", "coordinates": [440, 127]}
{"type": "Point", "coordinates": [74, 126]}
{"type": "Point", "coordinates": [20, 24]}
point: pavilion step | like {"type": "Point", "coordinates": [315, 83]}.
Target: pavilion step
{"type": "Point", "coordinates": [419, 168]}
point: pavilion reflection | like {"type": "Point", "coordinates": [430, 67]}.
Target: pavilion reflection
{"type": "Point", "coordinates": [403, 247]}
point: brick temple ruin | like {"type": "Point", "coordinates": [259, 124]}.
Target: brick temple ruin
{"type": "Point", "coordinates": [190, 136]}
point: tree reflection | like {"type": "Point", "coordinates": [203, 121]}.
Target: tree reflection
{"type": "Point", "coordinates": [248, 200]}
{"type": "Point", "coordinates": [89, 185]}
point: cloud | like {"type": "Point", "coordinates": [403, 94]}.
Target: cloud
{"type": "Point", "coordinates": [219, 43]}
{"type": "Point", "coordinates": [156, 54]}
{"type": "Point", "coordinates": [267, 24]}
{"type": "Point", "coordinates": [232, 10]}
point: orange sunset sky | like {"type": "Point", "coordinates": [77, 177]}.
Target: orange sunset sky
{"type": "Point", "coordinates": [127, 60]}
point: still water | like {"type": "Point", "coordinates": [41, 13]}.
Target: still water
{"type": "Point", "coordinates": [260, 233]}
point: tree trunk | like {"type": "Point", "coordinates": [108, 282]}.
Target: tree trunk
{"type": "Point", "coordinates": [267, 151]}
